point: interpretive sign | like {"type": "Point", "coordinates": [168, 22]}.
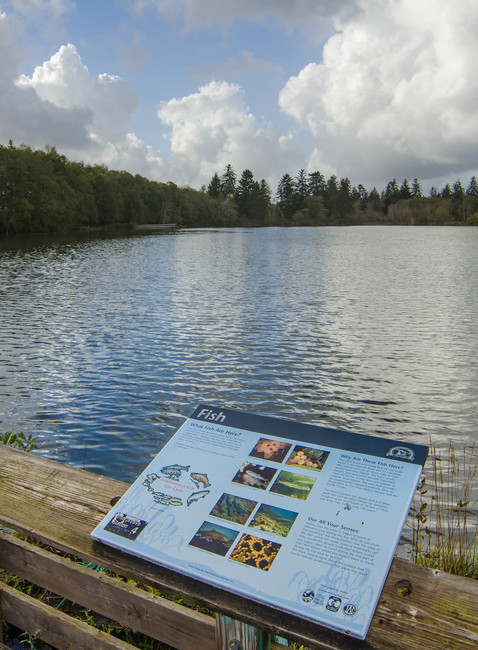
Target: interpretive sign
{"type": "Point", "coordinates": [302, 517]}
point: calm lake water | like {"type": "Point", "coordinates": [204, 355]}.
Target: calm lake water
{"type": "Point", "coordinates": [108, 343]}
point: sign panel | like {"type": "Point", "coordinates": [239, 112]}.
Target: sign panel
{"type": "Point", "coordinates": [302, 517]}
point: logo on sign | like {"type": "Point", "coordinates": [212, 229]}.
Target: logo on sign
{"type": "Point", "coordinates": [401, 453]}
{"type": "Point", "coordinates": [308, 595]}
{"type": "Point", "coordinates": [333, 603]}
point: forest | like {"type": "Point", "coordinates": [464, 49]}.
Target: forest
{"type": "Point", "coordinates": [43, 191]}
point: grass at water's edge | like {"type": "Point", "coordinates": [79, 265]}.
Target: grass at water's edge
{"type": "Point", "coordinates": [445, 537]}
{"type": "Point", "coordinates": [445, 521]}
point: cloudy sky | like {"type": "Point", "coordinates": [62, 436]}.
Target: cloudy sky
{"type": "Point", "coordinates": [176, 89]}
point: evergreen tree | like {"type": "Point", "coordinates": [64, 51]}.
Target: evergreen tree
{"type": "Point", "coordinates": [374, 200]}
{"type": "Point", "coordinates": [286, 196]}
{"type": "Point", "coordinates": [416, 189]}
{"type": "Point", "coordinates": [362, 197]}
{"type": "Point", "coordinates": [472, 189]}
{"type": "Point", "coordinates": [458, 190]}
{"type": "Point", "coordinates": [214, 187]}
{"type": "Point", "coordinates": [405, 191]}
{"type": "Point", "coordinates": [344, 199]}
{"type": "Point", "coordinates": [446, 192]}
{"type": "Point", "coordinates": [391, 194]}
{"type": "Point", "coordinates": [245, 194]}
{"type": "Point", "coordinates": [228, 181]}
{"type": "Point", "coordinates": [301, 189]}
{"type": "Point", "coordinates": [456, 207]}
{"type": "Point", "coordinates": [331, 196]}
{"type": "Point", "coordinates": [317, 184]}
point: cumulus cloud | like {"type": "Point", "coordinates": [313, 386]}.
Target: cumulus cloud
{"type": "Point", "coordinates": [395, 93]}
{"type": "Point", "coordinates": [25, 117]}
{"type": "Point", "coordinates": [213, 127]}
{"type": "Point", "coordinates": [66, 82]}
{"type": "Point", "coordinates": [84, 116]}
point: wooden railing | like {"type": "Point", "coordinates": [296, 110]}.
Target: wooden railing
{"type": "Point", "coordinates": [53, 507]}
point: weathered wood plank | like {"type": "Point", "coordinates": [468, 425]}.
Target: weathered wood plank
{"type": "Point", "coordinates": [132, 607]}
{"type": "Point", "coordinates": [234, 635]}
{"type": "Point", "coordinates": [54, 627]}
{"type": "Point", "coordinates": [60, 505]}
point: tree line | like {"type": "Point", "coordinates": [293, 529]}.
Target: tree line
{"type": "Point", "coordinates": [42, 191]}
{"type": "Point", "coordinates": [311, 199]}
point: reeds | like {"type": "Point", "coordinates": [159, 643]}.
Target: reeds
{"type": "Point", "coordinates": [445, 523]}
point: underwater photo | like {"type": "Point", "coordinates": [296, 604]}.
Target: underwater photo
{"type": "Point", "coordinates": [270, 519]}
{"type": "Point", "coordinates": [233, 508]}
{"type": "Point", "coordinates": [213, 538]}
{"type": "Point", "coordinates": [256, 476]}
{"type": "Point", "coordinates": [292, 485]}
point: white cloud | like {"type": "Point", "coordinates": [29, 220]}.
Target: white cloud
{"type": "Point", "coordinates": [396, 92]}
{"type": "Point", "coordinates": [213, 127]}
{"type": "Point", "coordinates": [66, 82]}
{"type": "Point", "coordinates": [61, 104]}
{"type": "Point", "coordinates": [25, 117]}
{"type": "Point", "coordinates": [393, 95]}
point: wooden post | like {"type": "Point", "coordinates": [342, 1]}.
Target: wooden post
{"type": "Point", "coordinates": [234, 635]}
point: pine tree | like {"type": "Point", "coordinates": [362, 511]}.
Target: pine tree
{"type": "Point", "coordinates": [228, 181]}
{"type": "Point", "coordinates": [301, 189]}
{"type": "Point", "coordinates": [286, 196]}
{"type": "Point", "coordinates": [446, 192]}
{"type": "Point", "coordinates": [416, 189]}
{"type": "Point", "coordinates": [244, 193]}
{"type": "Point", "coordinates": [405, 192]}
{"type": "Point", "coordinates": [317, 184]}
{"type": "Point", "coordinates": [472, 189]}
{"type": "Point", "coordinates": [214, 187]}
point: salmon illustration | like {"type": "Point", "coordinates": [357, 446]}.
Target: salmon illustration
{"type": "Point", "coordinates": [195, 496]}
{"type": "Point", "coordinates": [200, 479]}
{"type": "Point", "coordinates": [174, 471]}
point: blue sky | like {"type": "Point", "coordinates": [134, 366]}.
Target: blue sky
{"type": "Point", "coordinates": [176, 89]}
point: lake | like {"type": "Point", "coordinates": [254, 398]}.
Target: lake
{"type": "Point", "coordinates": [108, 342]}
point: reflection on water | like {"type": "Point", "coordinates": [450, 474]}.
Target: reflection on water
{"type": "Point", "coordinates": [106, 344]}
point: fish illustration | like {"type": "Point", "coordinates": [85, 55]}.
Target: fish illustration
{"type": "Point", "coordinates": [174, 471]}
{"type": "Point", "coordinates": [166, 499]}
{"type": "Point", "coordinates": [195, 496]}
{"type": "Point", "coordinates": [150, 478]}
{"type": "Point", "coordinates": [200, 479]}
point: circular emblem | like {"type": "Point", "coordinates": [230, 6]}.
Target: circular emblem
{"type": "Point", "coordinates": [401, 453]}
{"type": "Point", "coordinates": [308, 595]}
{"type": "Point", "coordinates": [350, 609]}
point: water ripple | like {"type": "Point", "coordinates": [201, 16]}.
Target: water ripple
{"type": "Point", "coordinates": [106, 344]}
